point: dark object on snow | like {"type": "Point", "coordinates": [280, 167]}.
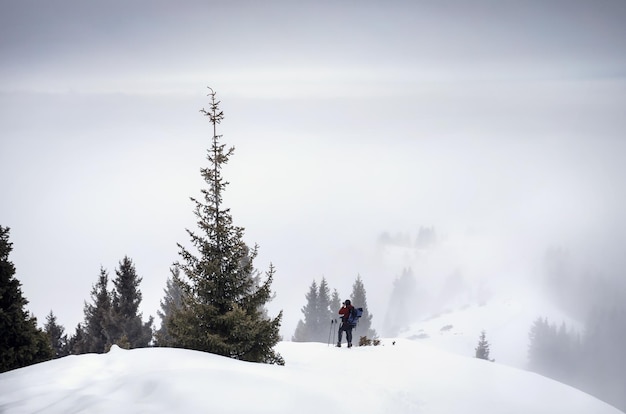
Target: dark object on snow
{"type": "Point", "coordinates": [355, 314]}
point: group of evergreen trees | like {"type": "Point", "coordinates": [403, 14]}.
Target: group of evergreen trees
{"type": "Point", "coordinates": [113, 316]}
{"type": "Point", "coordinates": [594, 361]}
{"type": "Point", "coordinates": [321, 312]}
{"type": "Point", "coordinates": [214, 301]}
{"type": "Point", "coordinates": [592, 357]}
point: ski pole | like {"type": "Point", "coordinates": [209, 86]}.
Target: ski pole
{"type": "Point", "coordinates": [332, 321]}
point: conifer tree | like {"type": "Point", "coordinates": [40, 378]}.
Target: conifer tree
{"type": "Point", "coordinates": [77, 343]}
{"type": "Point", "coordinates": [97, 331]}
{"type": "Point", "coordinates": [125, 319]}
{"type": "Point", "coordinates": [482, 350]}
{"type": "Point", "coordinates": [305, 331]}
{"type": "Point", "coordinates": [222, 304]}
{"type": "Point", "coordinates": [173, 300]}
{"type": "Point", "coordinates": [359, 300]}
{"type": "Point", "coordinates": [301, 333]}
{"type": "Point", "coordinates": [22, 343]}
{"type": "Point", "coordinates": [335, 303]}
{"type": "Point", "coordinates": [324, 314]}
{"type": "Point", "coordinates": [56, 335]}
{"type": "Point", "coordinates": [539, 350]}
{"type": "Point", "coordinates": [401, 304]}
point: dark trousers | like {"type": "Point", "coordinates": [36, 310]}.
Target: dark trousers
{"type": "Point", "coordinates": [345, 326]}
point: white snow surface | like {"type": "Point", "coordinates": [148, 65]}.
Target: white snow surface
{"type": "Point", "coordinates": [408, 377]}
{"type": "Point", "coordinates": [506, 319]}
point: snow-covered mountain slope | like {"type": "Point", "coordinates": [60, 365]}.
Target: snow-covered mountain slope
{"type": "Point", "coordinates": [407, 377]}
{"type": "Point", "coordinates": [460, 290]}
{"type": "Point", "coordinates": [506, 319]}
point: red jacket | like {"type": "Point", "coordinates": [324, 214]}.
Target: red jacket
{"type": "Point", "coordinates": [345, 312]}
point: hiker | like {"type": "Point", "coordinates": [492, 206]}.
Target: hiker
{"type": "Point", "coordinates": [345, 326]}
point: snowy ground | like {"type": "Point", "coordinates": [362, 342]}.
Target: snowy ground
{"type": "Point", "coordinates": [506, 319]}
{"type": "Point", "coordinates": [408, 377]}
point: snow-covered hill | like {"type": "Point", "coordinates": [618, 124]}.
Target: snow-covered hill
{"type": "Point", "coordinates": [407, 377]}
{"type": "Point", "coordinates": [506, 319]}
{"type": "Point", "coordinates": [458, 293]}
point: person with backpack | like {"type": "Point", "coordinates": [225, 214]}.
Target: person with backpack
{"type": "Point", "coordinates": [346, 311]}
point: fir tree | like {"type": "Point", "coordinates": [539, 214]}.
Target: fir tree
{"type": "Point", "coordinates": [173, 300]}
{"type": "Point", "coordinates": [324, 314]}
{"type": "Point", "coordinates": [359, 300]}
{"type": "Point", "coordinates": [97, 331]}
{"type": "Point", "coordinates": [402, 303]}
{"type": "Point", "coordinates": [77, 343]}
{"type": "Point", "coordinates": [22, 343]}
{"type": "Point", "coordinates": [300, 334]}
{"type": "Point", "coordinates": [305, 331]}
{"type": "Point", "coordinates": [126, 321]}
{"type": "Point", "coordinates": [55, 332]}
{"type": "Point", "coordinates": [540, 350]}
{"type": "Point", "coordinates": [222, 304]}
{"type": "Point", "coordinates": [335, 303]}
{"type": "Point", "coordinates": [482, 350]}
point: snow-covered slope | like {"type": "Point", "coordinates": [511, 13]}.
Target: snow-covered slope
{"type": "Point", "coordinates": [461, 293]}
{"type": "Point", "coordinates": [407, 377]}
{"type": "Point", "coordinates": [506, 319]}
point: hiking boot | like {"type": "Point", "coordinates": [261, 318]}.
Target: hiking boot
{"type": "Point", "coordinates": [349, 345]}
{"type": "Point", "coordinates": [338, 345]}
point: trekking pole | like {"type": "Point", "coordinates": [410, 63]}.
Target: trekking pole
{"type": "Point", "coordinates": [332, 321]}
{"type": "Point", "coordinates": [334, 330]}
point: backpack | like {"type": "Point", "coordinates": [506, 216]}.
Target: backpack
{"type": "Point", "coordinates": [355, 314]}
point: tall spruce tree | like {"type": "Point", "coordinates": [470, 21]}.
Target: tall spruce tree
{"type": "Point", "coordinates": [22, 343]}
{"type": "Point", "coordinates": [56, 335]}
{"type": "Point", "coordinates": [97, 331]}
{"type": "Point", "coordinates": [359, 300]}
{"type": "Point", "coordinates": [126, 323]}
{"type": "Point", "coordinates": [222, 304]}
{"type": "Point", "coordinates": [173, 300]}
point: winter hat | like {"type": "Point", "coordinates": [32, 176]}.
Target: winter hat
{"type": "Point", "coordinates": [347, 302]}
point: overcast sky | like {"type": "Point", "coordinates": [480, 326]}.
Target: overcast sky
{"type": "Point", "coordinates": [499, 123]}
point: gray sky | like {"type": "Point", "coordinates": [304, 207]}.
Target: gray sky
{"type": "Point", "coordinates": [499, 123]}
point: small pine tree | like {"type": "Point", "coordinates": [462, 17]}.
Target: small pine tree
{"type": "Point", "coordinates": [482, 350]}
{"type": "Point", "coordinates": [125, 318]}
{"type": "Point", "coordinates": [173, 300]}
{"type": "Point", "coordinates": [402, 303]}
{"type": "Point", "coordinates": [77, 343]}
{"type": "Point", "coordinates": [55, 332]}
{"type": "Point", "coordinates": [359, 299]}
{"type": "Point", "coordinates": [323, 313]}
{"type": "Point", "coordinates": [222, 309]}
{"type": "Point", "coordinates": [335, 303]}
{"type": "Point", "coordinates": [305, 331]}
{"type": "Point", "coordinates": [97, 331]}
{"type": "Point", "coordinates": [22, 343]}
